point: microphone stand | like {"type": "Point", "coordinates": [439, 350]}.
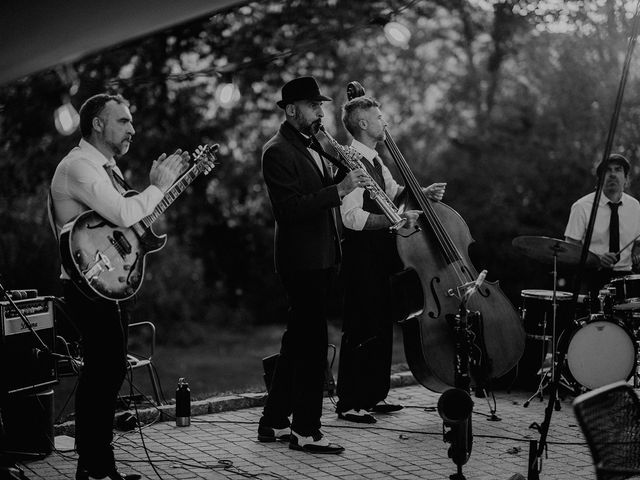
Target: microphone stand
{"type": "Point", "coordinates": [455, 405]}
{"type": "Point", "coordinates": [537, 448]}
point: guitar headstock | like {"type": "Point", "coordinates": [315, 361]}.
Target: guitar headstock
{"type": "Point", "coordinates": [205, 155]}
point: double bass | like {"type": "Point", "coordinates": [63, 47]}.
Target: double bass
{"type": "Point", "coordinates": [436, 261]}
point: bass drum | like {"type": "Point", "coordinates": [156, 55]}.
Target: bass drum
{"type": "Point", "coordinates": [601, 351]}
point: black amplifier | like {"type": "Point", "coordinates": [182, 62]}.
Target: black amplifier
{"type": "Point", "coordinates": [23, 367]}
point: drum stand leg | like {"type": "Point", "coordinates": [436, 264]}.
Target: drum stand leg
{"type": "Point", "coordinates": [544, 373]}
{"type": "Point", "coordinates": [636, 372]}
{"type": "Point", "coordinates": [547, 376]}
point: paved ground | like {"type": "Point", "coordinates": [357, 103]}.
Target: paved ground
{"type": "Point", "coordinates": [404, 445]}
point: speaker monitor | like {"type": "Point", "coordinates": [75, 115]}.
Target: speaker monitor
{"type": "Point", "coordinates": [24, 368]}
{"type": "Point", "coordinates": [28, 423]}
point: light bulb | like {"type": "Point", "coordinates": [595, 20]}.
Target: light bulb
{"type": "Point", "coordinates": [397, 34]}
{"type": "Point", "coordinates": [227, 94]}
{"type": "Point", "coordinates": [66, 119]}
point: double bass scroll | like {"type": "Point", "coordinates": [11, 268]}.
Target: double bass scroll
{"type": "Point", "coordinates": [438, 258]}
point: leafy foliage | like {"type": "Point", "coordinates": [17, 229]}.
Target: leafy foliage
{"type": "Point", "coordinates": [507, 101]}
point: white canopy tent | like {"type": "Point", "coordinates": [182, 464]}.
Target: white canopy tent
{"type": "Point", "coordinates": [39, 34]}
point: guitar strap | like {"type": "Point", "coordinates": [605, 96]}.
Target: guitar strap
{"type": "Point", "coordinates": [51, 213]}
{"type": "Point", "coordinates": [117, 181]}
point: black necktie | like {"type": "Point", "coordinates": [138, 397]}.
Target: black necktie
{"type": "Point", "coordinates": [614, 228]}
{"type": "Point", "coordinates": [377, 165]}
{"type": "Point", "coordinates": [116, 180]}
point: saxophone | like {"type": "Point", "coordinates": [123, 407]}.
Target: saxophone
{"type": "Point", "coordinates": [351, 160]}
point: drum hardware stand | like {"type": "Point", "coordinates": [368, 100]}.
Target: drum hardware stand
{"type": "Point", "coordinates": [636, 372]}
{"type": "Point", "coordinates": [536, 450]}
{"type": "Point", "coordinates": [548, 375]}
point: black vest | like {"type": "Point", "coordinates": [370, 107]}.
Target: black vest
{"type": "Point", "coordinates": [380, 243]}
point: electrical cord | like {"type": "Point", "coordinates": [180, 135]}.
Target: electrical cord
{"type": "Point", "coordinates": [224, 464]}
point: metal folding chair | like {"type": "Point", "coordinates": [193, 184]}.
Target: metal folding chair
{"type": "Point", "coordinates": [609, 417]}
{"type": "Point", "coordinates": [142, 344]}
{"type": "Point", "coordinates": [142, 335]}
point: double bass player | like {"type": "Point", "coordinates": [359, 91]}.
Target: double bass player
{"type": "Point", "coordinates": [369, 258]}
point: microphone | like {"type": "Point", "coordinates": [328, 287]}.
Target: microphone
{"type": "Point", "coordinates": [477, 284]}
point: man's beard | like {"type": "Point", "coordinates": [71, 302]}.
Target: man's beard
{"type": "Point", "coordinates": [306, 127]}
{"type": "Point", "coordinates": [121, 148]}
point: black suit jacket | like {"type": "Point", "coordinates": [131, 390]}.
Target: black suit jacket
{"type": "Point", "coordinates": [306, 234]}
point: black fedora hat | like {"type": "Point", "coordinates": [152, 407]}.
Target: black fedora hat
{"type": "Point", "coordinates": [301, 88]}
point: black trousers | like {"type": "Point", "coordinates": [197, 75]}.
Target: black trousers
{"type": "Point", "coordinates": [367, 326]}
{"type": "Point", "coordinates": [103, 325]}
{"type": "Point", "coordinates": [297, 386]}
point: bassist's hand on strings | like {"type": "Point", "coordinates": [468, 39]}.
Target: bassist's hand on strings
{"type": "Point", "coordinates": [435, 191]}
{"type": "Point", "coordinates": [412, 219]}
{"type": "Point", "coordinates": [166, 169]}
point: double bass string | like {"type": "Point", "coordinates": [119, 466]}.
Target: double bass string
{"type": "Point", "coordinates": [450, 251]}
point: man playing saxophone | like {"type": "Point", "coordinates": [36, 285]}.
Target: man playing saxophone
{"type": "Point", "coordinates": [369, 257]}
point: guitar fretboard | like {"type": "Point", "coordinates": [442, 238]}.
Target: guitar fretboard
{"type": "Point", "coordinates": [175, 190]}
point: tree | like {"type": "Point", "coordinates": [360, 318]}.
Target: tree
{"type": "Point", "coordinates": [507, 101]}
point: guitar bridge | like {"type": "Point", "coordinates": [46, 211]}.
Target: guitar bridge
{"type": "Point", "coordinates": [101, 262]}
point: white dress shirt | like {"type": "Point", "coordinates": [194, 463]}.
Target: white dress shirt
{"type": "Point", "coordinates": [353, 216]}
{"type": "Point", "coordinates": [81, 183]}
{"type": "Point", "coordinates": [628, 213]}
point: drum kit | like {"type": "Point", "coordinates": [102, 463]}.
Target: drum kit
{"type": "Point", "coordinates": [603, 335]}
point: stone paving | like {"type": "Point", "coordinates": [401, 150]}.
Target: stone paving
{"type": "Point", "coordinates": [404, 445]}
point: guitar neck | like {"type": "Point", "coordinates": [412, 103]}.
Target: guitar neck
{"type": "Point", "coordinates": [173, 193]}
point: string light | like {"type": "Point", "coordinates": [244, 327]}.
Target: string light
{"type": "Point", "coordinates": [397, 34]}
{"type": "Point", "coordinates": [227, 94]}
{"type": "Point", "coordinates": [66, 118]}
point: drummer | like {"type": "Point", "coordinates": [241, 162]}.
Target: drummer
{"type": "Point", "coordinates": [617, 224]}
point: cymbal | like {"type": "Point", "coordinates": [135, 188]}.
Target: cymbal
{"type": "Point", "coordinates": [544, 249]}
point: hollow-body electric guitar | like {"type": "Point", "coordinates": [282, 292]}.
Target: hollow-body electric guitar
{"type": "Point", "coordinates": [107, 261]}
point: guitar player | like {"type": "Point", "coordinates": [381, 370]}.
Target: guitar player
{"type": "Point", "coordinates": [87, 179]}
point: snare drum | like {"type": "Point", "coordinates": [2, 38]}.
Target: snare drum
{"type": "Point", "coordinates": [627, 292]}
{"type": "Point", "coordinates": [537, 312]}
{"type": "Point", "coordinates": [601, 351]}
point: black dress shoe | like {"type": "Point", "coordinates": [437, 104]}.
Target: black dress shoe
{"type": "Point", "coordinates": [384, 407]}
{"type": "Point", "coordinates": [269, 434]}
{"type": "Point", "coordinates": [356, 416]}
{"type": "Point", "coordinates": [83, 474]}
{"type": "Point", "coordinates": [316, 443]}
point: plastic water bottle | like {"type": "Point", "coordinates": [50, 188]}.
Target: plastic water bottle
{"type": "Point", "coordinates": [183, 404]}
